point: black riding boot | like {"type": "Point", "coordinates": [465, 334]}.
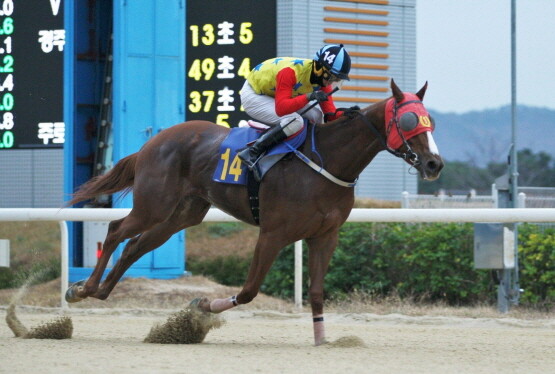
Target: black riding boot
{"type": "Point", "coordinates": [270, 138]}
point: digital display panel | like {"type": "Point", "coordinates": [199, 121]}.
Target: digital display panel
{"type": "Point", "coordinates": [225, 40]}
{"type": "Point", "coordinates": [32, 40]}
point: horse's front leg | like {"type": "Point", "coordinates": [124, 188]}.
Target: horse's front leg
{"type": "Point", "coordinates": [266, 251]}
{"type": "Point", "coordinates": [319, 256]}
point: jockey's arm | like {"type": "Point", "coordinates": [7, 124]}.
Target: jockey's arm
{"type": "Point", "coordinates": [285, 103]}
{"type": "Point", "coordinates": [328, 107]}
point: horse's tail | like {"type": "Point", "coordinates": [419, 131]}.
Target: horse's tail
{"type": "Point", "coordinates": [119, 178]}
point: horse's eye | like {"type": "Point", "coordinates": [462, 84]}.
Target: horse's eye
{"type": "Point", "coordinates": [408, 121]}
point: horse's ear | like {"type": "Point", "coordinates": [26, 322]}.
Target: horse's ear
{"type": "Point", "coordinates": [422, 91]}
{"type": "Point", "coordinates": [397, 93]}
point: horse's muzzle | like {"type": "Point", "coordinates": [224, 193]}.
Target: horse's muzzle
{"type": "Point", "coordinates": [430, 168]}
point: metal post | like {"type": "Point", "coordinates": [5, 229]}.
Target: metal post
{"type": "Point", "coordinates": [521, 200]}
{"type": "Point", "coordinates": [514, 166]}
{"type": "Point", "coordinates": [299, 274]}
{"type": "Point", "coordinates": [64, 247]}
{"type": "Point", "coordinates": [405, 203]}
{"type": "Point", "coordinates": [504, 290]}
{"type": "Point", "coordinates": [4, 253]}
{"type": "Point", "coordinates": [515, 286]}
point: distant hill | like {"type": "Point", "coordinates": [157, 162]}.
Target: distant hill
{"type": "Point", "coordinates": [485, 136]}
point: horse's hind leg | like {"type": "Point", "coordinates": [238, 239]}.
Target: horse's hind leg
{"type": "Point", "coordinates": [191, 215]}
{"type": "Point", "coordinates": [82, 289]}
{"type": "Point", "coordinates": [157, 187]}
{"type": "Point", "coordinates": [118, 231]}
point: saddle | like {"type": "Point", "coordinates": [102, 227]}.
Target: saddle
{"type": "Point", "coordinates": [231, 170]}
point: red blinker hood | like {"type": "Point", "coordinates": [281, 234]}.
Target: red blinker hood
{"type": "Point", "coordinates": [394, 140]}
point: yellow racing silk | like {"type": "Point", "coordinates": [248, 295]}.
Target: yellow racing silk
{"type": "Point", "coordinates": [263, 77]}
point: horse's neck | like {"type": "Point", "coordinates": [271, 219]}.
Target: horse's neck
{"type": "Point", "coordinates": [348, 146]}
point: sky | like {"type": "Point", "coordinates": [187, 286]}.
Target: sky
{"type": "Point", "coordinates": [464, 52]}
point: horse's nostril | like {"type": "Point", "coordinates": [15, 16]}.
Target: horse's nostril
{"type": "Point", "coordinates": [432, 165]}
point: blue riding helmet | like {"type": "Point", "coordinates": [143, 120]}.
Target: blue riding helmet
{"type": "Point", "coordinates": [335, 59]}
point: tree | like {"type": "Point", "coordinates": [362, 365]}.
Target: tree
{"type": "Point", "coordinates": [535, 170]}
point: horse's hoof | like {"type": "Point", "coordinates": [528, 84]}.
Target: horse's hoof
{"type": "Point", "coordinates": [200, 303]}
{"type": "Point", "coordinates": [323, 342]}
{"type": "Point", "coordinates": [71, 296]}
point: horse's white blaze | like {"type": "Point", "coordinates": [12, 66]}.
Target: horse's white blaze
{"type": "Point", "coordinates": [432, 144]}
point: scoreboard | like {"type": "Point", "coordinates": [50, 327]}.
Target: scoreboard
{"type": "Point", "coordinates": [32, 39]}
{"type": "Point", "coordinates": [225, 40]}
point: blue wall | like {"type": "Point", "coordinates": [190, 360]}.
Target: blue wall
{"type": "Point", "coordinates": [148, 95]}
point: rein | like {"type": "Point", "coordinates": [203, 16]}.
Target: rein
{"type": "Point", "coordinates": [409, 155]}
{"type": "Point", "coordinates": [320, 169]}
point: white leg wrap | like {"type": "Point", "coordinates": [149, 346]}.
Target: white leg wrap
{"type": "Point", "coordinates": [319, 330]}
{"type": "Point", "coordinates": [220, 305]}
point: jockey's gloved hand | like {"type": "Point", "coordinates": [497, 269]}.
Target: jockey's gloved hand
{"type": "Point", "coordinates": [319, 96]}
{"type": "Point", "coordinates": [329, 116]}
{"type": "Point", "coordinates": [349, 112]}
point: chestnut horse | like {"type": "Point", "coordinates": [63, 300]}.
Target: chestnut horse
{"type": "Point", "coordinates": [171, 179]}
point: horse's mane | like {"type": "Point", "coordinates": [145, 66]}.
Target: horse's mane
{"type": "Point", "coordinates": [334, 122]}
{"type": "Point", "coordinates": [343, 119]}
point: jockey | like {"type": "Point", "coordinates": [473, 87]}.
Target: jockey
{"type": "Point", "coordinates": [280, 88]}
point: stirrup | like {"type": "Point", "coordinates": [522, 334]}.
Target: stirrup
{"type": "Point", "coordinates": [254, 165]}
{"type": "Point", "coordinates": [248, 162]}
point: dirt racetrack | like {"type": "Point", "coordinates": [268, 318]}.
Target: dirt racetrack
{"type": "Point", "coordinates": [268, 336]}
{"type": "Point", "coordinates": [254, 341]}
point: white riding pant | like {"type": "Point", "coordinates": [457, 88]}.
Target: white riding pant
{"type": "Point", "coordinates": [263, 108]}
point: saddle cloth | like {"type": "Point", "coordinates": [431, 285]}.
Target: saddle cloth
{"type": "Point", "coordinates": [230, 169]}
